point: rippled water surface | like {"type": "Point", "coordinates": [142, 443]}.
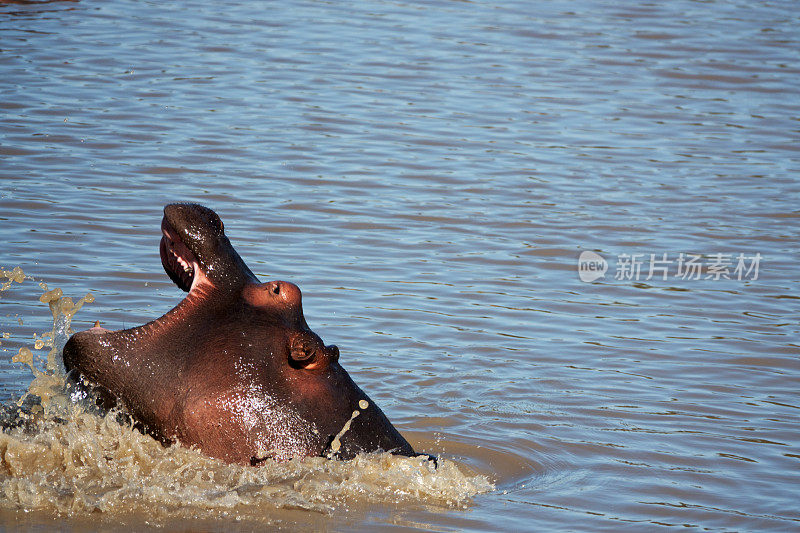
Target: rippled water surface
{"type": "Point", "coordinates": [429, 173]}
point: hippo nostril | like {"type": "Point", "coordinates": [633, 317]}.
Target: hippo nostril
{"type": "Point", "coordinates": [276, 288]}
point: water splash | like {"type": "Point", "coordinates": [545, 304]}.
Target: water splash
{"type": "Point", "coordinates": [58, 455]}
{"type": "Point", "coordinates": [48, 382]}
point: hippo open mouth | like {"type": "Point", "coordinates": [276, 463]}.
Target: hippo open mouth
{"type": "Point", "coordinates": [179, 262]}
{"type": "Point", "coordinates": [193, 242]}
{"type": "Point", "coordinates": [234, 368]}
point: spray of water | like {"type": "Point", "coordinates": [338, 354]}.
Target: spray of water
{"type": "Point", "coordinates": [59, 455]}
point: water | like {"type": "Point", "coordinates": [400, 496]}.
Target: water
{"type": "Point", "coordinates": [428, 174]}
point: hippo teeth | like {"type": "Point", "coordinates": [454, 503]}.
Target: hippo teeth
{"type": "Point", "coordinates": [187, 268]}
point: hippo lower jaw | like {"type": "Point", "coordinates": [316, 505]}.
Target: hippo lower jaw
{"type": "Point", "coordinates": [234, 368]}
{"type": "Point", "coordinates": [179, 262]}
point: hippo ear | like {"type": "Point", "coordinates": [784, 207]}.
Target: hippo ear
{"type": "Point", "coordinates": [308, 352]}
{"type": "Point", "coordinates": [303, 351]}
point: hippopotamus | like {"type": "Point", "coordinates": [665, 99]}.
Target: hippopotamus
{"type": "Point", "coordinates": [234, 369]}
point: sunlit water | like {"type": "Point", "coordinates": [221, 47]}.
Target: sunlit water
{"type": "Point", "coordinates": [428, 174]}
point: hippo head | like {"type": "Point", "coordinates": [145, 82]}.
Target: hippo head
{"type": "Point", "coordinates": [233, 369]}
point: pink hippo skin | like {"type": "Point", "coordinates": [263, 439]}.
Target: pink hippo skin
{"type": "Point", "coordinates": [234, 369]}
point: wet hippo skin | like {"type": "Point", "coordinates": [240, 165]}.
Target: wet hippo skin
{"type": "Point", "coordinates": [233, 369]}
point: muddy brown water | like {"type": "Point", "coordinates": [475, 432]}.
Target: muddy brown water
{"type": "Point", "coordinates": [429, 174]}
